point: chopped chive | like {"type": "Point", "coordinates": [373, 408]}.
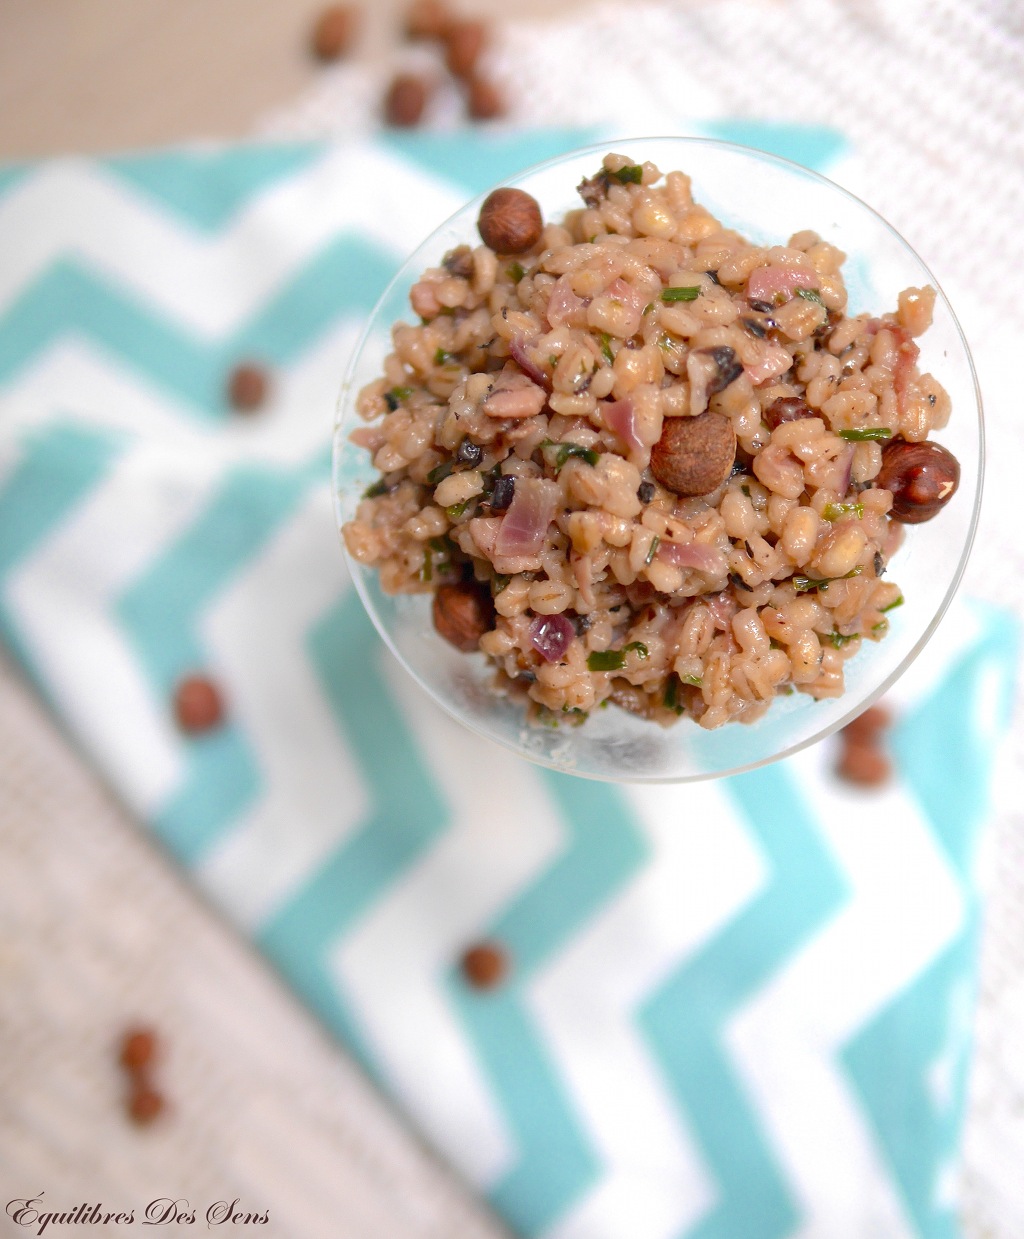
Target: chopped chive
{"type": "Point", "coordinates": [671, 695]}
{"type": "Point", "coordinates": [881, 626]}
{"type": "Point", "coordinates": [839, 639]}
{"type": "Point", "coordinates": [868, 434]}
{"type": "Point", "coordinates": [803, 584]}
{"type": "Point", "coordinates": [427, 572]}
{"type": "Point", "coordinates": [380, 487]}
{"type": "Point", "coordinates": [695, 680]}
{"type": "Point", "coordinates": [516, 272]}
{"type": "Point", "coordinates": [441, 471]}
{"type": "Point", "coordinates": [811, 294]}
{"type": "Point", "coordinates": [614, 660]}
{"type": "Point", "coordinates": [892, 605]}
{"type": "Point", "coordinates": [689, 293]}
{"type": "Point", "coordinates": [648, 308]}
{"type": "Point", "coordinates": [439, 545]}
{"type": "Point", "coordinates": [499, 583]}
{"type": "Point", "coordinates": [746, 489]}
{"type": "Point", "coordinates": [442, 358]}
{"type": "Point", "coordinates": [564, 450]}
{"type": "Point", "coordinates": [606, 660]}
{"type": "Point", "coordinates": [631, 174]}
{"type": "Point", "coordinates": [396, 395]}
{"type": "Point", "coordinates": [553, 359]}
{"type": "Point", "coordinates": [836, 511]}
{"type": "Point", "coordinates": [655, 543]}
{"type": "Point", "coordinates": [606, 346]}
{"type": "Point", "coordinates": [457, 509]}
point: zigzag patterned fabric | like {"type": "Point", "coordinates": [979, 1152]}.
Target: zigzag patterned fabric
{"type": "Point", "coordinates": [736, 1010]}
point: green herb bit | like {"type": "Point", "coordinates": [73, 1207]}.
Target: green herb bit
{"type": "Point", "coordinates": [457, 509]}
{"type": "Point", "coordinates": [869, 434]}
{"type": "Point", "coordinates": [647, 309]}
{"type": "Point", "coordinates": [631, 174]}
{"type": "Point", "coordinates": [639, 646]}
{"type": "Point", "coordinates": [606, 347]}
{"type": "Point", "coordinates": [839, 639]}
{"type": "Point", "coordinates": [671, 699]}
{"type": "Point", "coordinates": [499, 583]}
{"type": "Point", "coordinates": [553, 359]}
{"type": "Point", "coordinates": [655, 543]}
{"type": "Point", "coordinates": [380, 487]}
{"type": "Point", "coordinates": [442, 358]}
{"type": "Point", "coordinates": [441, 471]}
{"type": "Point", "coordinates": [811, 294]}
{"type": "Point", "coordinates": [606, 660]}
{"type": "Point", "coordinates": [746, 489]}
{"type": "Point", "coordinates": [695, 680]}
{"type": "Point", "coordinates": [565, 450]}
{"type": "Point", "coordinates": [804, 584]}
{"type": "Point", "coordinates": [892, 605]}
{"type": "Point", "coordinates": [688, 293]}
{"type": "Point", "coordinates": [427, 572]}
{"type": "Point", "coordinates": [516, 272]}
{"type": "Point", "coordinates": [396, 395]}
{"type": "Point", "coordinates": [881, 626]}
{"type": "Point", "coordinates": [836, 511]}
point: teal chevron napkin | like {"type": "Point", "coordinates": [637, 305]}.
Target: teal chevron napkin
{"type": "Point", "coordinates": [736, 1010]}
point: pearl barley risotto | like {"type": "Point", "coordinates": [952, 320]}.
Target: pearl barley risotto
{"type": "Point", "coordinates": [637, 459]}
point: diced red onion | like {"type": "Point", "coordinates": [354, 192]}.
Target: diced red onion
{"type": "Point", "coordinates": [836, 476]}
{"type": "Point", "coordinates": [723, 607]}
{"type": "Point", "coordinates": [620, 419]}
{"type": "Point", "coordinates": [622, 290]}
{"type": "Point", "coordinates": [693, 555]}
{"type": "Point", "coordinates": [767, 283]}
{"type": "Point", "coordinates": [518, 347]}
{"type": "Point", "coordinates": [564, 306]}
{"type": "Point", "coordinates": [551, 636]}
{"type": "Point", "coordinates": [772, 361]}
{"type": "Point", "coordinates": [524, 526]}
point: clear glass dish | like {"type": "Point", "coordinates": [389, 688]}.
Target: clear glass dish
{"type": "Point", "coordinates": [766, 199]}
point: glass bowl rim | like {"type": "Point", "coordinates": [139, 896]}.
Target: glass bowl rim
{"type": "Point", "coordinates": [600, 149]}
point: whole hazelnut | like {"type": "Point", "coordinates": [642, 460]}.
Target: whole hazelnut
{"type": "Point", "coordinates": [427, 19]}
{"type": "Point", "coordinates": [406, 100]}
{"type": "Point", "coordinates": [864, 763]}
{"type": "Point", "coordinates": [335, 31]}
{"type": "Point", "coordinates": [694, 455]}
{"type": "Point", "coordinates": [484, 965]}
{"type": "Point", "coordinates": [145, 1104]}
{"type": "Point", "coordinates": [464, 41]}
{"type": "Point", "coordinates": [462, 613]}
{"type": "Point", "coordinates": [923, 477]}
{"type": "Point", "coordinates": [510, 221]}
{"type": "Point", "coordinates": [197, 704]}
{"type": "Point", "coordinates": [869, 724]}
{"type": "Point", "coordinates": [248, 385]}
{"type": "Point", "coordinates": [483, 99]}
{"type": "Point", "coordinates": [138, 1049]}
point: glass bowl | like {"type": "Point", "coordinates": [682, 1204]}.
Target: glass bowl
{"type": "Point", "coordinates": [766, 199]}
